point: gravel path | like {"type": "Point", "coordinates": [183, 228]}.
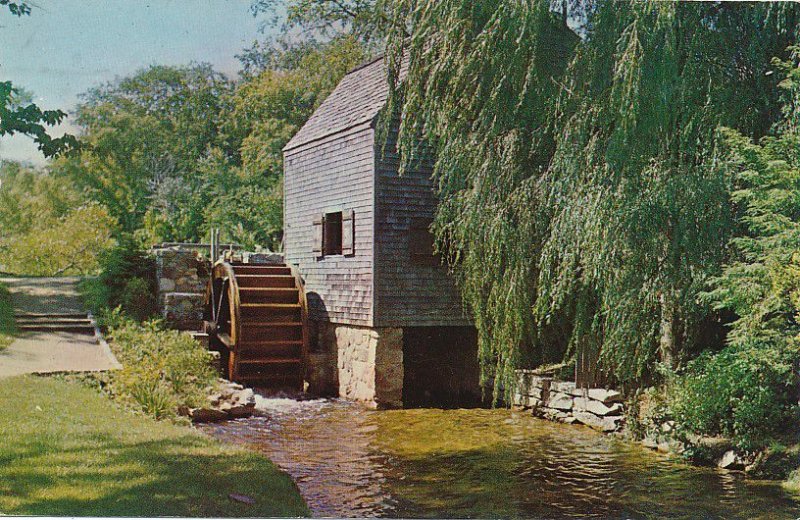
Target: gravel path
{"type": "Point", "coordinates": [49, 352]}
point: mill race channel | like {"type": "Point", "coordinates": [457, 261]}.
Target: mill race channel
{"type": "Point", "coordinates": [352, 462]}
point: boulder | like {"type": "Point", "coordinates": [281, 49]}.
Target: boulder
{"type": "Point", "coordinates": [564, 387]}
{"type": "Point", "coordinates": [605, 424]}
{"type": "Point", "coordinates": [526, 401]}
{"type": "Point", "coordinates": [612, 424]}
{"type": "Point", "coordinates": [263, 258]}
{"type": "Point", "coordinates": [730, 460]}
{"type": "Point", "coordinates": [214, 399]}
{"type": "Point", "coordinates": [560, 401]}
{"type": "Point", "coordinates": [589, 419]}
{"type": "Point", "coordinates": [246, 396]}
{"type": "Point", "coordinates": [596, 407]}
{"type": "Point", "coordinates": [605, 396]}
{"type": "Point", "coordinates": [650, 442]}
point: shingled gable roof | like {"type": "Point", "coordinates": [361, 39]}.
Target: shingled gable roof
{"type": "Point", "coordinates": [356, 100]}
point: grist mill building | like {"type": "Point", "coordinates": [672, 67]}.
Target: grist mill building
{"type": "Point", "coordinates": [388, 326]}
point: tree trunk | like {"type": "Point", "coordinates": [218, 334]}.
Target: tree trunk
{"type": "Point", "coordinates": [668, 343]}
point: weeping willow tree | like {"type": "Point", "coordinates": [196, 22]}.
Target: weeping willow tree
{"type": "Point", "coordinates": [580, 206]}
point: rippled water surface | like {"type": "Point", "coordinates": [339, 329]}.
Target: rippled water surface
{"type": "Point", "coordinates": [349, 461]}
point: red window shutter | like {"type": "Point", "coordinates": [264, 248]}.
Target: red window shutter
{"type": "Point", "coordinates": [318, 238]}
{"type": "Point", "coordinates": [348, 233]}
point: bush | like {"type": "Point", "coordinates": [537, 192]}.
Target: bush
{"type": "Point", "coordinates": [137, 299]}
{"type": "Point", "coordinates": [7, 326]}
{"type": "Point", "coordinates": [127, 280]}
{"type": "Point", "coordinates": [743, 394]}
{"type": "Point", "coordinates": [162, 369]}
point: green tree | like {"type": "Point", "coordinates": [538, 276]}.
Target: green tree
{"type": "Point", "coordinates": [144, 136]}
{"type": "Point", "coordinates": [579, 209]}
{"type": "Point", "coordinates": [748, 390]}
{"type": "Point", "coordinates": [48, 228]}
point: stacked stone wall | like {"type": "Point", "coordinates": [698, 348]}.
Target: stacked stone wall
{"type": "Point", "coordinates": [182, 275]}
{"type": "Point", "coordinates": [562, 401]}
{"type": "Point", "coordinates": [361, 364]}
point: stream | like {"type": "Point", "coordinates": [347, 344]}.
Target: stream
{"type": "Point", "coordinates": [352, 462]}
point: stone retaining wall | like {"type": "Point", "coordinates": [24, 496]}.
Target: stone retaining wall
{"type": "Point", "coordinates": [561, 401]}
{"type": "Point", "coordinates": [358, 363]}
{"type": "Point", "coordinates": [182, 275]}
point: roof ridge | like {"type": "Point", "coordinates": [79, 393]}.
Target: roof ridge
{"type": "Point", "coordinates": [366, 64]}
{"type": "Point", "coordinates": [357, 99]}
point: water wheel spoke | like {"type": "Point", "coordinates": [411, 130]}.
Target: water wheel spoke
{"type": "Point", "coordinates": [261, 317]}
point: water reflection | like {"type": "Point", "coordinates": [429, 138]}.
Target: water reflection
{"type": "Point", "coordinates": [349, 461]}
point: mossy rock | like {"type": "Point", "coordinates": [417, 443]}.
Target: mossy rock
{"type": "Point", "coordinates": [775, 463]}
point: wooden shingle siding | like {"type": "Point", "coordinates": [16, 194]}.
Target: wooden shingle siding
{"type": "Point", "coordinates": [407, 294]}
{"type": "Point", "coordinates": [333, 174]}
{"type": "Point", "coordinates": [333, 164]}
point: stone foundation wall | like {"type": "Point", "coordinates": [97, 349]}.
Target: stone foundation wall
{"type": "Point", "coordinates": [359, 363]}
{"type": "Point", "coordinates": [182, 276]}
{"type": "Point", "coordinates": [561, 401]}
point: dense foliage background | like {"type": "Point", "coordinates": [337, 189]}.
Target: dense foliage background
{"type": "Point", "coordinates": [582, 205]}
{"type": "Point", "coordinates": [618, 181]}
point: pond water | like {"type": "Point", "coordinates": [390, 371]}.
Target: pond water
{"type": "Point", "coordinates": [353, 462]}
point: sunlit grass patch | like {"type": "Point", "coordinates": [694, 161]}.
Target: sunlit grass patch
{"type": "Point", "coordinates": [69, 451]}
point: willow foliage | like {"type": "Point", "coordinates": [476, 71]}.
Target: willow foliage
{"type": "Point", "coordinates": [581, 206]}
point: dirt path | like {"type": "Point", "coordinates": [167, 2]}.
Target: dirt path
{"type": "Point", "coordinates": [48, 352]}
{"type": "Point", "coordinates": [45, 295]}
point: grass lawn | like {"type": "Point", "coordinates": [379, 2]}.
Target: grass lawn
{"type": "Point", "coordinates": [7, 327]}
{"type": "Point", "coordinates": [66, 450]}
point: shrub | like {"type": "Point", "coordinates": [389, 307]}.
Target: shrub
{"type": "Point", "coordinates": [137, 299]}
{"type": "Point", "coordinates": [746, 390]}
{"type": "Point", "coordinates": [743, 394]}
{"type": "Point", "coordinates": [7, 326]}
{"type": "Point", "coordinates": [162, 369]}
{"type": "Point", "coordinates": [127, 280]}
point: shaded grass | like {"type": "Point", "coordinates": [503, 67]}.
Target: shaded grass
{"type": "Point", "coordinates": [66, 450]}
{"type": "Point", "coordinates": [7, 324]}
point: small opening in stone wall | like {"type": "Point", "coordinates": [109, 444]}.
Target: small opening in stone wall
{"type": "Point", "coordinates": [440, 367]}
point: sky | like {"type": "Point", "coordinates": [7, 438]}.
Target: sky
{"type": "Point", "coordinates": [66, 47]}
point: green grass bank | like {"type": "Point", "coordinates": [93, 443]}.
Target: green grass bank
{"type": "Point", "coordinates": [7, 326]}
{"type": "Point", "coordinates": [67, 450]}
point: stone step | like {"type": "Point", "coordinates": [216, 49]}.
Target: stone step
{"type": "Point", "coordinates": [52, 315]}
{"type": "Point", "coordinates": [59, 321]}
{"type": "Point", "coordinates": [57, 327]}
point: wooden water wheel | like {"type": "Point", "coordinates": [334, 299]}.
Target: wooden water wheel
{"type": "Point", "coordinates": [256, 317]}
